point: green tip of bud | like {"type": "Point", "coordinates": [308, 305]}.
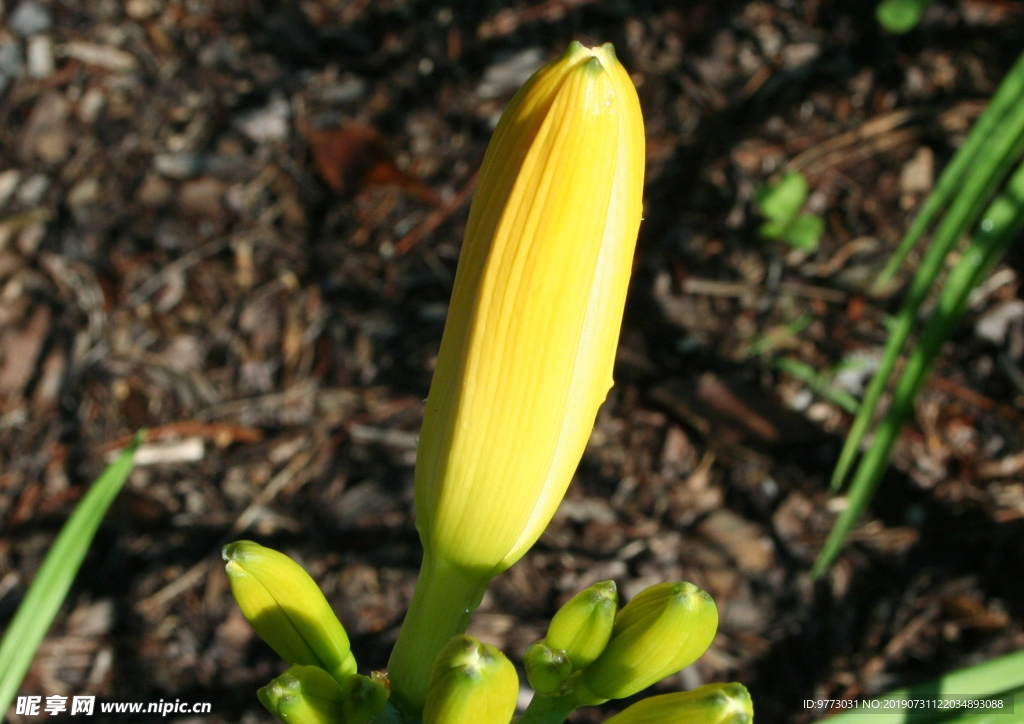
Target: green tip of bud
{"type": "Point", "coordinates": [710, 704]}
{"type": "Point", "coordinates": [471, 683]}
{"type": "Point", "coordinates": [546, 668]}
{"type": "Point", "coordinates": [287, 608]}
{"type": "Point", "coordinates": [581, 628]}
{"type": "Point", "coordinates": [593, 65]}
{"type": "Point", "coordinates": [661, 631]}
{"type": "Point", "coordinates": [609, 51]}
{"type": "Point", "coordinates": [303, 695]}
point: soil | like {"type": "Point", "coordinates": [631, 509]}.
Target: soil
{"type": "Point", "coordinates": [236, 224]}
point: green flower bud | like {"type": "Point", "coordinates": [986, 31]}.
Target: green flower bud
{"type": "Point", "coordinates": [363, 697]}
{"type": "Point", "coordinates": [287, 609]}
{"type": "Point", "coordinates": [546, 669]}
{"type": "Point", "coordinates": [471, 683]}
{"type": "Point", "coordinates": [303, 695]}
{"type": "Point", "coordinates": [661, 631]}
{"type": "Point", "coordinates": [710, 704]}
{"type": "Point", "coordinates": [582, 627]}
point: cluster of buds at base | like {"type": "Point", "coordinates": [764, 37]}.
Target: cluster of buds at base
{"type": "Point", "coordinates": [708, 704]}
{"type": "Point", "coordinates": [664, 629]}
{"type": "Point", "coordinates": [471, 683]}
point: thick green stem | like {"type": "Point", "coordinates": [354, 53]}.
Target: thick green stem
{"type": "Point", "coordinates": [549, 709]}
{"type": "Point", "coordinates": [442, 603]}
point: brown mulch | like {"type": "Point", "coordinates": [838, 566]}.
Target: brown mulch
{"type": "Point", "coordinates": [237, 223]}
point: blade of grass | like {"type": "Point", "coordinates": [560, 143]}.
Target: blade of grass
{"type": "Point", "coordinates": [51, 584]}
{"type": "Point", "coordinates": [998, 677]}
{"type": "Point", "coordinates": [1006, 96]}
{"type": "Point", "coordinates": [1002, 223]}
{"type": "Point", "coordinates": [818, 384]}
{"type": "Point", "coordinates": [984, 178]}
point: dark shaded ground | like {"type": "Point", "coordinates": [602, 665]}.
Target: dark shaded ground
{"type": "Point", "coordinates": [236, 223]}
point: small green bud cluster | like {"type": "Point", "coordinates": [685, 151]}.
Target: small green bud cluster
{"type": "Point", "coordinates": [592, 654]}
{"type": "Point", "coordinates": [289, 612]}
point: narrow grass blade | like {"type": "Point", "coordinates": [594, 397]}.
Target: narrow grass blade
{"type": "Point", "coordinates": [999, 677]}
{"type": "Point", "coordinates": [1005, 98]}
{"type": "Point", "coordinates": [1002, 152]}
{"type": "Point", "coordinates": [818, 384]}
{"type": "Point", "coordinates": [1002, 223]}
{"type": "Point", "coordinates": [51, 584]}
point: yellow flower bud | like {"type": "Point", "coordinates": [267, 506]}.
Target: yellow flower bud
{"type": "Point", "coordinates": [471, 683]}
{"type": "Point", "coordinates": [546, 668]}
{"type": "Point", "coordinates": [528, 349]}
{"type": "Point", "coordinates": [527, 352]}
{"type": "Point", "coordinates": [303, 695]}
{"type": "Point", "coordinates": [661, 631]}
{"type": "Point", "coordinates": [287, 608]}
{"type": "Point", "coordinates": [709, 704]}
{"type": "Point", "coordinates": [581, 628]}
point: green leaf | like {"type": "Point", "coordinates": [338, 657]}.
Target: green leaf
{"type": "Point", "coordinates": [805, 232]}
{"type": "Point", "coordinates": [901, 16]}
{"type": "Point", "coordinates": [781, 202]}
{"type": "Point", "coordinates": [51, 584]}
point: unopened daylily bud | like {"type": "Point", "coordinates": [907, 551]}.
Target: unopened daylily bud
{"type": "Point", "coordinates": [471, 683]}
{"type": "Point", "coordinates": [582, 626]}
{"type": "Point", "coordinates": [287, 608]}
{"type": "Point", "coordinates": [546, 668]}
{"type": "Point", "coordinates": [303, 695]}
{"type": "Point", "coordinates": [661, 631]}
{"type": "Point", "coordinates": [709, 704]}
{"type": "Point", "coordinates": [529, 345]}
{"type": "Point", "coordinates": [363, 697]}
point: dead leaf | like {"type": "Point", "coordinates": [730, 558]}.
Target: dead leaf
{"type": "Point", "coordinates": [356, 157]}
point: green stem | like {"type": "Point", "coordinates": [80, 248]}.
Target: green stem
{"type": "Point", "coordinates": [549, 709]}
{"type": "Point", "coordinates": [442, 603]}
